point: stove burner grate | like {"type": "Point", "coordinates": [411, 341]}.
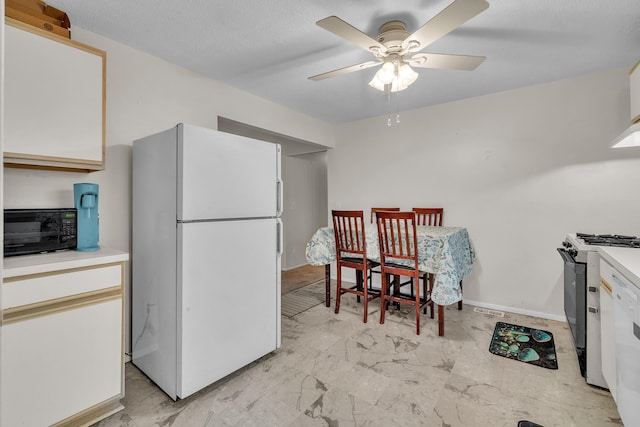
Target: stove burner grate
{"type": "Point", "coordinates": [610, 240]}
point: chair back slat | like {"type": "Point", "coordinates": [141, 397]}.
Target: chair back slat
{"type": "Point", "coordinates": [397, 237]}
{"type": "Point", "coordinates": [429, 216]}
{"type": "Point", "coordinates": [375, 210]}
{"type": "Point", "coordinates": [348, 228]}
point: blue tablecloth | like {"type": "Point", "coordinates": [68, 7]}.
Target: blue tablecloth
{"type": "Point", "coordinates": [444, 251]}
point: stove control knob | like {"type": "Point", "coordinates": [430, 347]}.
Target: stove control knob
{"type": "Point", "coordinates": [572, 252]}
{"type": "Point", "coordinates": [566, 244]}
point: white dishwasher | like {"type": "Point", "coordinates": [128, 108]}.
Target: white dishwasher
{"type": "Point", "coordinates": [626, 313]}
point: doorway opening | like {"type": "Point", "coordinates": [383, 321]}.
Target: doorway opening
{"type": "Point", "coordinates": [304, 176]}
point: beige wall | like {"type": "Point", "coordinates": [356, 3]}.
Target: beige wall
{"type": "Point", "coordinates": [305, 204]}
{"type": "Point", "coordinates": [520, 169]}
{"type": "Point", "coordinates": [146, 95]}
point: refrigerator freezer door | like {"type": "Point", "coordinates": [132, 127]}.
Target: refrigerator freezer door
{"type": "Point", "coordinates": [223, 176]}
{"type": "Point", "coordinates": [228, 298]}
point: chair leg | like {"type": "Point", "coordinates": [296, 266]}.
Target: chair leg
{"type": "Point", "coordinates": [383, 294]}
{"type": "Point", "coordinates": [440, 320]}
{"type": "Point", "coordinates": [460, 302]}
{"type": "Point", "coordinates": [431, 280]}
{"type": "Point", "coordinates": [387, 290]}
{"type": "Point", "coordinates": [396, 289]}
{"type": "Point", "coordinates": [417, 302]}
{"type": "Point", "coordinates": [366, 295]}
{"type": "Point", "coordinates": [338, 289]}
{"type": "Point", "coordinates": [358, 283]}
{"type": "Point", "coordinates": [327, 285]}
{"type": "Point", "coordinates": [425, 279]}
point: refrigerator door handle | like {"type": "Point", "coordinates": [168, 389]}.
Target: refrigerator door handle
{"type": "Point", "coordinates": [279, 195]}
{"type": "Point", "coordinates": [279, 238]}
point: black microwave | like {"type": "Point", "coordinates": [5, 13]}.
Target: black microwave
{"type": "Point", "coordinates": [32, 231]}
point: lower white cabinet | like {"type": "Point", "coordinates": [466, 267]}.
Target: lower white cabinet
{"type": "Point", "coordinates": [61, 357]}
{"type": "Point", "coordinates": [608, 339]}
{"type": "Point", "coordinates": [61, 373]}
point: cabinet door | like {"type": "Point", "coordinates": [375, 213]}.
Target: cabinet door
{"type": "Point", "coordinates": [56, 366]}
{"type": "Point", "coordinates": [607, 336]}
{"type": "Point", "coordinates": [54, 101]}
{"type": "Point", "coordinates": [634, 87]}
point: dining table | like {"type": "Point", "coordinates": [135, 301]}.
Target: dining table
{"type": "Point", "coordinates": [445, 252]}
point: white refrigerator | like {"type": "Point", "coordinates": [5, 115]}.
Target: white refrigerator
{"type": "Point", "coordinates": [207, 243]}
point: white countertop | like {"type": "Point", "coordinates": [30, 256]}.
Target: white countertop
{"type": "Point", "coordinates": [625, 260]}
{"type": "Point", "coordinates": [42, 263]}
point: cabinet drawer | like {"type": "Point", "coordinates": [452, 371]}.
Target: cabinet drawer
{"type": "Point", "coordinates": [25, 290]}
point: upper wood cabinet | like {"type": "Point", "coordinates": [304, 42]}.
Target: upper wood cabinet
{"type": "Point", "coordinates": [54, 98]}
{"type": "Point", "coordinates": [634, 86]}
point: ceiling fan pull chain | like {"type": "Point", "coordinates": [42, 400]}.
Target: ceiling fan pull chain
{"type": "Point", "coordinates": [397, 107]}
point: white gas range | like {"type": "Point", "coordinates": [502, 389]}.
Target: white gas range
{"type": "Point", "coordinates": [582, 299]}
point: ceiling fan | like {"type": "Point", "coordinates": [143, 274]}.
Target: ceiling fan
{"type": "Point", "coordinates": [396, 50]}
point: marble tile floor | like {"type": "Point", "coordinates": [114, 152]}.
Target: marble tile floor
{"type": "Point", "coordinates": [334, 370]}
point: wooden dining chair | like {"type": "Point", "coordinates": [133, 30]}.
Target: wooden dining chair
{"type": "Point", "coordinates": [433, 217]}
{"type": "Point", "coordinates": [399, 257]}
{"type": "Point", "coordinates": [429, 216]}
{"type": "Point", "coordinates": [375, 210]}
{"type": "Point", "coordinates": [351, 251]}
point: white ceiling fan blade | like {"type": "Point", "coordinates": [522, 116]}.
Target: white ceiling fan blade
{"type": "Point", "coordinates": [350, 33]}
{"type": "Point", "coordinates": [345, 70]}
{"type": "Point", "coordinates": [446, 62]}
{"type": "Point", "coordinates": [454, 15]}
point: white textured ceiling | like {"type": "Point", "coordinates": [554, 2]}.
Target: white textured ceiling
{"type": "Point", "coordinates": [270, 47]}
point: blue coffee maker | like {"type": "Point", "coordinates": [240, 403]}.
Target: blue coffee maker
{"type": "Point", "coordinates": [85, 196]}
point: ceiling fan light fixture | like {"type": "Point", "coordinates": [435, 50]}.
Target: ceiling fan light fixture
{"type": "Point", "coordinates": [406, 74]}
{"type": "Point", "coordinates": [377, 84]}
{"type": "Point", "coordinates": [387, 73]}
{"type": "Point", "coordinates": [401, 78]}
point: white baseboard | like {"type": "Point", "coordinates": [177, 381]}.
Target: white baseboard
{"type": "Point", "coordinates": [532, 313]}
